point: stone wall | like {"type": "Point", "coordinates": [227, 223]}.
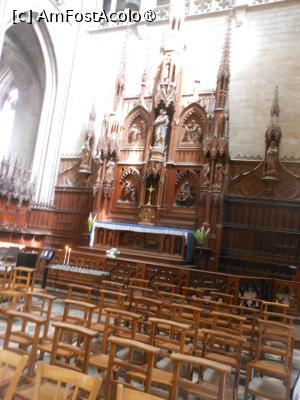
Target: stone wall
{"type": "Point", "coordinates": [81, 64]}
{"type": "Point", "coordinates": [266, 53]}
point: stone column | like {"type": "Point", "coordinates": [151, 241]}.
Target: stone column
{"type": "Point", "coordinates": [113, 6]}
{"type": "Point", "coordinates": [2, 22]}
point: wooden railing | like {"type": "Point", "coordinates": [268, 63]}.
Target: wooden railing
{"type": "Point", "coordinates": [282, 291]}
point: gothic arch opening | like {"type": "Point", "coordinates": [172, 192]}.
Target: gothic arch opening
{"type": "Point", "coordinates": [22, 90]}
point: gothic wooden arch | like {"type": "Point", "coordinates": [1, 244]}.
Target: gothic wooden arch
{"type": "Point", "coordinates": [136, 127]}
{"type": "Point", "coordinates": [192, 125]}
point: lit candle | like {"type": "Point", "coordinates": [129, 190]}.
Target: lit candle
{"type": "Point", "coordinates": [69, 251]}
{"type": "Point", "coordinates": [66, 251]}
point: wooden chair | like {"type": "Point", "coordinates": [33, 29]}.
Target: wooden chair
{"type": "Point", "coordinates": [207, 307]}
{"type": "Point", "coordinates": [134, 291]}
{"type": "Point", "coordinates": [250, 327]}
{"type": "Point", "coordinates": [132, 394]}
{"type": "Point", "coordinates": [6, 269]}
{"type": "Point", "coordinates": [147, 307]}
{"type": "Point", "coordinates": [120, 323]}
{"type": "Point", "coordinates": [221, 297]}
{"type": "Point", "coordinates": [192, 291]}
{"type": "Point", "coordinates": [110, 299]}
{"type": "Point", "coordinates": [202, 389]}
{"type": "Point", "coordinates": [111, 285]}
{"type": "Point", "coordinates": [73, 383]}
{"type": "Point", "coordinates": [79, 292]}
{"type": "Point", "coordinates": [60, 383]}
{"type": "Point", "coordinates": [227, 322]}
{"type": "Point", "coordinates": [117, 323]}
{"type": "Point", "coordinates": [187, 314]}
{"type": "Point", "coordinates": [199, 291]}
{"type": "Point", "coordinates": [129, 365]}
{"type": "Point", "coordinates": [61, 347]}
{"type": "Point", "coordinates": [250, 302]}
{"type": "Point", "coordinates": [12, 366]}
{"type": "Point", "coordinates": [170, 297]}
{"type": "Point", "coordinates": [40, 304]}
{"type": "Point", "coordinates": [77, 312]}
{"type": "Point", "coordinates": [23, 278]}
{"type": "Point", "coordinates": [167, 299]}
{"type": "Point", "coordinates": [168, 336]}
{"type": "Point", "coordinates": [139, 282]}
{"type": "Point", "coordinates": [159, 285]}
{"type": "Point", "coordinates": [271, 306]}
{"type": "Point", "coordinates": [23, 338]}
{"type": "Point", "coordinates": [273, 363]}
{"type": "Point", "coordinates": [279, 317]}
{"type": "Point", "coordinates": [224, 348]}
{"type": "Point", "coordinates": [9, 300]}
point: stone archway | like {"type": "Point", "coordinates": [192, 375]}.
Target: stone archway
{"type": "Point", "coordinates": [28, 64]}
{"type": "Point", "coordinates": [22, 71]}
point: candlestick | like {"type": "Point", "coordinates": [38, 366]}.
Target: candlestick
{"type": "Point", "coordinates": [66, 250]}
{"type": "Point", "coordinates": [69, 251]}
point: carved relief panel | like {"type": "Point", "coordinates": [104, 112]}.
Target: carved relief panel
{"type": "Point", "coordinates": [185, 191]}
{"type": "Point", "coordinates": [129, 183]}
{"type": "Point", "coordinates": [192, 126]}
{"type": "Point", "coordinates": [136, 128]}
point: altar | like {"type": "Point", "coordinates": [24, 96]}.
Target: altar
{"type": "Point", "coordinates": [159, 239]}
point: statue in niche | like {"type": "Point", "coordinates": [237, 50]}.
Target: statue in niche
{"type": "Point", "coordinates": [206, 173]}
{"type": "Point", "coordinates": [133, 193]}
{"type": "Point", "coordinates": [136, 134]}
{"type": "Point", "coordinates": [271, 159]}
{"type": "Point", "coordinates": [166, 68]}
{"type": "Point", "coordinates": [86, 150]}
{"type": "Point", "coordinates": [129, 192]}
{"type": "Point", "coordinates": [99, 164]}
{"type": "Point", "coordinates": [125, 194]}
{"type": "Point", "coordinates": [161, 127]}
{"type": "Point", "coordinates": [185, 196]}
{"type": "Point", "coordinates": [110, 170]}
{"type": "Point", "coordinates": [192, 133]}
{"type": "Point", "coordinates": [218, 177]}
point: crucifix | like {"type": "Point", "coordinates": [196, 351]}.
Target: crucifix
{"type": "Point", "coordinates": [150, 190]}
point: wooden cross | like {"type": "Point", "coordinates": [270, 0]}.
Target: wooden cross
{"type": "Point", "coordinates": [150, 190]}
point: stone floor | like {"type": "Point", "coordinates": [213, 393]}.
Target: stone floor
{"type": "Point", "coordinates": [58, 310]}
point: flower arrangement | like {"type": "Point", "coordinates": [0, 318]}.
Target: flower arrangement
{"type": "Point", "coordinates": [90, 222]}
{"type": "Point", "coordinates": [112, 253]}
{"type": "Point", "coordinates": [201, 235]}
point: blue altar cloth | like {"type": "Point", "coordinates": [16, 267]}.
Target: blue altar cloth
{"type": "Point", "coordinates": [118, 226]}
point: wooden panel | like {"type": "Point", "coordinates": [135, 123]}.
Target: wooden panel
{"type": "Point", "coordinates": [72, 199]}
{"type": "Point", "coordinates": [260, 236]}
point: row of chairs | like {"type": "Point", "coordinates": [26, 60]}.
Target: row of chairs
{"type": "Point", "coordinates": [143, 325]}
{"type": "Point", "coordinates": [125, 323]}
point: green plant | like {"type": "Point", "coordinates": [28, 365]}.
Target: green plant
{"type": "Point", "coordinates": [90, 223]}
{"type": "Point", "coordinates": [200, 235]}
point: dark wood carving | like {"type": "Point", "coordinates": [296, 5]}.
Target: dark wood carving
{"type": "Point", "coordinates": [271, 178]}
